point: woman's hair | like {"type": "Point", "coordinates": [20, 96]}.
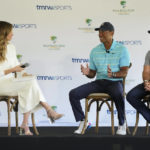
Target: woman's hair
{"type": "Point", "coordinates": [5, 29]}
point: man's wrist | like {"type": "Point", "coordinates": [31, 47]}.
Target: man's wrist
{"type": "Point", "coordinates": [146, 81]}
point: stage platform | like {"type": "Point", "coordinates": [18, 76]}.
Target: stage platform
{"type": "Point", "coordinates": [62, 138]}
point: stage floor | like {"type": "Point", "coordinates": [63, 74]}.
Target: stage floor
{"type": "Point", "coordinates": [63, 138]}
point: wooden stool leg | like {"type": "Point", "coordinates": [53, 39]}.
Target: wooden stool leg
{"type": "Point", "coordinates": [128, 130]}
{"type": "Point", "coordinates": [33, 123]}
{"type": "Point", "coordinates": [97, 116]}
{"type": "Point", "coordinates": [86, 116]}
{"type": "Point", "coordinates": [9, 119]}
{"type": "Point", "coordinates": [112, 117]}
{"type": "Point", "coordinates": [16, 115]}
{"type": "Point", "coordinates": [136, 124]}
{"type": "Point", "coordinates": [147, 128]}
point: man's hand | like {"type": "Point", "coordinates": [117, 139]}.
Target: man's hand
{"type": "Point", "coordinates": [147, 86]}
{"type": "Point", "coordinates": [109, 72]}
{"type": "Point", "coordinates": [85, 70]}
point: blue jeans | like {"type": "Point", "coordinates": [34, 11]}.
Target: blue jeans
{"type": "Point", "coordinates": [135, 96]}
{"type": "Point", "coordinates": [113, 88]}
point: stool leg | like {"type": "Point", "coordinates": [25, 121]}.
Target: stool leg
{"type": "Point", "coordinates": [112, 117]}
{"type": "Point", "coordinates": [9, 119]}
{"type": "Point", "coordinates": [128, 130]}
{"type": "Point", "coordinates": [16, 115]}
{"type": "Point", "coordinates": [136, 124]}
{"type": "Point", "coordinates": [33, 123]}
{"type": "Point", "coordinates": [86, 116]}
{"type": "Point", "coordinates": [147, 128]}
{"type": "Point", "coordinates": [97, 116]}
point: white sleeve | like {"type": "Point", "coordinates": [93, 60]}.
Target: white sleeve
{"type": "Point", "coordinates": [2, 73]}
{"type": "Point", "coordinates": [16, 62]}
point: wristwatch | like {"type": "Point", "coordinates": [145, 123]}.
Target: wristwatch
{"type": "Point", "coordinates": [146, 81]}
{"type": "Point", "coordinates": [113, 74]}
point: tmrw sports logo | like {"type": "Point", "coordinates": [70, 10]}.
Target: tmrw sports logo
{"type": "Point", "coordinates": [80, 60]}
{"type": "Point", "coordinates": [53, 7]}
{"type": "Point", "coordinates": [131, 42]}
{"type": "Point", "coordinates": [130, 112]}
{"type": "Point", "coordinates": [88, 28]}
{"type": "Point", "coordinates": [61, 78]}
{"type": "Point", "coordinates": [54, 44]}
{"type": "Point", "coordinates": [124, 10]}
{"type": "Point", "coordinates": [24, 26]}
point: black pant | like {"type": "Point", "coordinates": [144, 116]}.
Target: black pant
{"type": "Point", "coordinates": [113, 88]}
{"type": "Point", "coordinates": [135, 96]}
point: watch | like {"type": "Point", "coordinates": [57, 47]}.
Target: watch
{"type": "Point", "coordinates": [113, 74]}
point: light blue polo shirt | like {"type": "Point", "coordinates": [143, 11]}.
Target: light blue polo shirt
{"type": "Point", "coordinates": [117, 57]}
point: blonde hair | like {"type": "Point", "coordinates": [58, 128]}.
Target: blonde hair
{"type": "Point", "coordinates": [5, 29]}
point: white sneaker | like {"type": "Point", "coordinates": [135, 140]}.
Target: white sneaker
{"type": "Point", "coordinates": [79, 130]}
{"type": "Point", "coordinates": [121, 129]}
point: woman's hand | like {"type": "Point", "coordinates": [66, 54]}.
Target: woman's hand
{"type": "Point", "coordinates": [26, 75]}
{"type": "Point", "coordinates": [17, 69]}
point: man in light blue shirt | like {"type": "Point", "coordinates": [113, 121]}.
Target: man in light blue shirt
{"type": "Point", "coordinates": [109, 62]}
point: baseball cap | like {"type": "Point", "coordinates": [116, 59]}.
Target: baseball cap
{"type": "Point", "coordinates": [106, 26]}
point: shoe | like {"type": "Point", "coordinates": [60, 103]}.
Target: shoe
{"type": "Point", "coordinates": [121, 129]}
{"type": "Point", "coordinates": [52, 115]}
{"type": "Point", "coordinates": [24, 130]}
{"type": "Point", "coordinates": [79, 130]}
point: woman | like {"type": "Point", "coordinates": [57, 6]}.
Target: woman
{"type": "Point", "coordinates": [29, 94]}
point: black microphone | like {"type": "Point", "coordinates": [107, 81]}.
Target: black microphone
{"type": "Point", "coordinates": [148, 31]}
{"type": "Point", "coordinates": [107, 51]}
{"type": "Point", "coordinates": [25, 65]}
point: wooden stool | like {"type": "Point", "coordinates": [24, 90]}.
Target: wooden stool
{"type": "Point", "coordinates": [100, 99]}
{"type": "Point", "coordinates": [12, 104]}
{"type": "Point", "coordinates": [146, 99]}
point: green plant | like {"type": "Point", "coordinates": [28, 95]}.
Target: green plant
{"type": "Point", "coordinates": [88, 21]}
{"type": "Point", "coordinates": [19, 56]}
{"type": "Point", "coordinates": [123, 3]}
{"type": "Point", "coordinates": [53, 38]}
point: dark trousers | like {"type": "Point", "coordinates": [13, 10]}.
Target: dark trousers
{"type": "Point", "coordinates": [113, 88]}
{"type": "Point", "coordinates": [135, 96]}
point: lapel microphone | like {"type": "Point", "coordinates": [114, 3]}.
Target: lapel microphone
{"type": "Point", "coordinates": [107, 51]}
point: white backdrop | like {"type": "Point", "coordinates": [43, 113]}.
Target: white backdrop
{"type": "Point", "coordinates": [56, 37]}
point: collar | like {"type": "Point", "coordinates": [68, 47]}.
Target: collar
{"type": "Point", "coordinates": [112, 46]}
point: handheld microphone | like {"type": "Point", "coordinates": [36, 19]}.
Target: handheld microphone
{"type": "Point", "coordinates": [148, 31]}
{"type": "Point", "coordinates": [25, 65]}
